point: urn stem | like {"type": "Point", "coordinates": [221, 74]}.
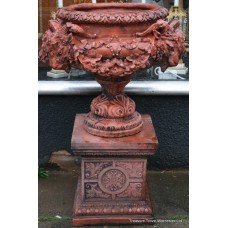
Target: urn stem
{"type": "Point", "coordinates": [113, 112]}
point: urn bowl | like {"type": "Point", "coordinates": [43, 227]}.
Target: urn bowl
{"type": "Point", "coordinates": [113, 41]}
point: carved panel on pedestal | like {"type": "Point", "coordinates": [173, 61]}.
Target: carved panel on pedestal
{"type": "Point", "coordinates": [113, 179]}
{"type": "Point", "coordinates": [134, 168]}
{"type": "Point", "coordinates": [134, 190]}
{"type": "Point", "coordinates": [93, 191]}
{"type": "Point", "coordinates": [92, 169]}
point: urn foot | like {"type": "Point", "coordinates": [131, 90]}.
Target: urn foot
{"type": "Point", "coordinates": [113, 127]}
{"type": "Point", "coordinates": [113, 116]}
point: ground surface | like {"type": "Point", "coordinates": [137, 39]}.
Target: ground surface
{"type": "Point", "coordinates": [169, 191]}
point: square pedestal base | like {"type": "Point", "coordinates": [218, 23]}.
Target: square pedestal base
{"type": "Point", "coordinates": [112, 188]}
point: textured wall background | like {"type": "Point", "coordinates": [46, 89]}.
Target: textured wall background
{"type": "Point", "coordinates": [169, 115]}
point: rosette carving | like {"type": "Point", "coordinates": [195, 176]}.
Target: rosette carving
{"type": "Point", "coordinates": [113, 180]}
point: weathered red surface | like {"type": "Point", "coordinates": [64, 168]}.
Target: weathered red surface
{"type": "Point", "coordinates": [113, 41]}
{"type": "Point", "coordinates": [113, 186]}
{"type": "Point", "coordinates": [101, 210]}
{"type": "Point", "coordinates": [143, 143]}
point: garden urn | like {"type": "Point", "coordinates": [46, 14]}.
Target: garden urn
{"type": "Point", "coordinates": [113, 41]}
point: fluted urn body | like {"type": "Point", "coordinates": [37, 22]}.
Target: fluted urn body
{"type": "Point", "coordinates": [113, 41]}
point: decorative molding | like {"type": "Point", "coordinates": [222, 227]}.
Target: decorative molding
{"type": "Point", "coordinates": [113, 127]}
{"type": "Point", "coordinates": [91, 14]}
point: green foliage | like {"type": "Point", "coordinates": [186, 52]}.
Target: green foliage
{"type": "Point", "coordinates": [178, 217]}
{"type": "Point", "coordinates": [42, 173]}
{"type": "Point", "coordinates": [50, 218]}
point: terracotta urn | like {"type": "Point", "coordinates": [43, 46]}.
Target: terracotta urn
{"type": "Point", "coordinates": [113, 41]}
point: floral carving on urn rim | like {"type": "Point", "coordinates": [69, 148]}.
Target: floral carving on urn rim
{"type": "Point", "coordinates": [102, 13]}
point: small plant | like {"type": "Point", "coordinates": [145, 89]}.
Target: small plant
{"type": "Point", "coordinates": [50, 218]}
{"type": "Point", "coordinates": [179, 217]}
{"type": "Point", "coordinates": [42, 173]}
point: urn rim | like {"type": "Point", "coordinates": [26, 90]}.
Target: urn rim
{"type": "Point", "coordinates": [116, 5]}
{"type": "Point", "coordinates": [112, 13]}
